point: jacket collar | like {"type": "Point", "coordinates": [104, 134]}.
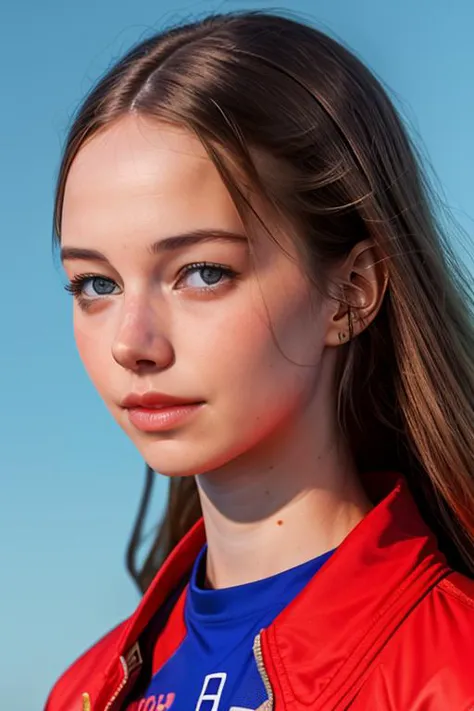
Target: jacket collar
{"type": "Point", "coordinates": [318, 648]}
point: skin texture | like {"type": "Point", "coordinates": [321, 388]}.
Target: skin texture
{"type": "Point", "coordinates": [276, 484]}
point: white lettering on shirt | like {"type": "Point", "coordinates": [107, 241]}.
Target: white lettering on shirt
{"type": "Point", "coordinates": [214, 697]}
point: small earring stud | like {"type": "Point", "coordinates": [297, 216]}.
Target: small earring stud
{"type": "Point", "coordinates": [342, 336]}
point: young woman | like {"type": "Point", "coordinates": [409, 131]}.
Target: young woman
{"type": "Point", "coordinates": [265, 302]}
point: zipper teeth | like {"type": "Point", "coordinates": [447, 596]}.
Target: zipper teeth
{"type": "Point", "coordinates": [121, 685]}
{"type": "Point", "coordinates": [257, 651]}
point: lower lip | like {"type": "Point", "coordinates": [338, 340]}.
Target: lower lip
{"type": "Point", "coordinates": [161, 419]}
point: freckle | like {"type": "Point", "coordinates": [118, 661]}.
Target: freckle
{"type": "Point", "coordinates": [280, 522]}
{"type": "Point", "coordinates": [267, 492]}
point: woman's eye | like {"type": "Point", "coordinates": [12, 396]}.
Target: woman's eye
{"type": "Point", "coordinates": [205, 276]}
{"type": "Point", "coordinates": [200, 276]}
{"type": "Point", "coordinates": [98, 286]}
{"type": "Point", "coordinates": [91, 287]}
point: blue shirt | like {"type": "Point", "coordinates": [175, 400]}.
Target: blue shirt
{"type": "Point", "coordinates": [214, 669]}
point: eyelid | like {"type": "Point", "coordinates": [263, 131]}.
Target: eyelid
{"type": "Point", "coordinates": [195, 266]}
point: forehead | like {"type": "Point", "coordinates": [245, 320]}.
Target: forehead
{"type": "Point", "coordinates": [140, 174]}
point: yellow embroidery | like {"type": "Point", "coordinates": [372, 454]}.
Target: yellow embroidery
{"type": "Point", "coordinates": [86, 702]}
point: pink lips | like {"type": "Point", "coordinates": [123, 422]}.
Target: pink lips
{"type": "Point", "coordinates": [157, 412]}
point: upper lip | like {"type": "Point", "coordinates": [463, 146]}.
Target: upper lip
{"type": "Point", "coordinates": [153, 399]}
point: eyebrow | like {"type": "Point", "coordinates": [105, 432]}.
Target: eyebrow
{"type": "Point", "coordinates": [169, 244]}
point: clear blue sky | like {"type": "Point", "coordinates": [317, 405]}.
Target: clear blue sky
{"type": "Point", "coordinates": [70, 482]}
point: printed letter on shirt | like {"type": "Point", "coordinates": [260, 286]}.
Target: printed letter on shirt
{"type": "Point", "coordinates": [211, 692]}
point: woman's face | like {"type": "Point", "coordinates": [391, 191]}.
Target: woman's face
{"type": "Point", "coordinates": [170, 303]}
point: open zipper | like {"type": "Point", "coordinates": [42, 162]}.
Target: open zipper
{"type": "Point", "coordinates": [121, 685]}
{"type": "Point", "coordinates": [258, 654]}
{"type": "Point", "coordinates": [86, 700]}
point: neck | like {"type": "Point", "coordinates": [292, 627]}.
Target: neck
{"type": "Point", "coordinates": [268, 512]}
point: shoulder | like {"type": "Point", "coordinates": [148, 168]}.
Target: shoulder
{"type": "Point", "coordinates": [429, 661]}
{"type": "Point", "coordinates": [443, 627]}
{"type": "Point", "coordinates": [79, 676]}
{"type": "Point", "coordinates": [445, 617]}
{"type": "Point", "coordinates": [460, 590]}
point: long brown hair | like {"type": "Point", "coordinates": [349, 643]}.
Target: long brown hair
{"type": "Point", "coordinates": [289, 111]}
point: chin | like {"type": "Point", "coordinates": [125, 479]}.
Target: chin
{"type": "Point", "coordinates": [176, 457]}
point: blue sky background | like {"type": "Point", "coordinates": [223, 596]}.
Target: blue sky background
{"type": "Point", "coordinates": [70, 481]}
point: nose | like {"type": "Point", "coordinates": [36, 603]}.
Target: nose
{"type": "Point", "coordinates": [141, 342]}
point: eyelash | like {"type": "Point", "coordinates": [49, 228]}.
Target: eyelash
{"type": "Point", "coordinates": [77, 282]}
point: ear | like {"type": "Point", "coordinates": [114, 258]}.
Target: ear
{"type": "Point", "coordinates": [361, 281]}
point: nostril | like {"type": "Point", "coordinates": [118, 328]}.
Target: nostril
{"type": "Point", "coordinates": [151, 365]}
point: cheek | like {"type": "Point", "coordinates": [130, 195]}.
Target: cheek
{"type": "Point", "coordinates": [259, 378]}
{"type": "Point", "coordinates": [262, 347]}
{"type": "Point", "coordinates": [93, 351]}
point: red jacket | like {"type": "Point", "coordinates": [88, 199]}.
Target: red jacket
{"type": "Point", "coordinates": [385, 625]}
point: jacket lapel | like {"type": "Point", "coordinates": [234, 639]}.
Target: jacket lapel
{"type": "Point", "coordinates": [319, 648]}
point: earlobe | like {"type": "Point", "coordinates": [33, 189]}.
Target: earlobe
{"type": "Point", "coordinates": [362, 281]}
{"type": "Point", "coordinates": [341, 327]}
